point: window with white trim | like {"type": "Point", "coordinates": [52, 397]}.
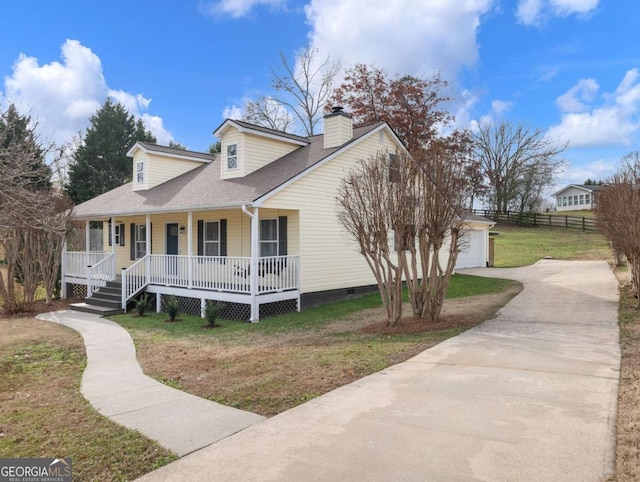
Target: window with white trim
{"type": "Point", "coordinates": [570, 200]}
{"type": "Point", "coordinates": [393, 165]}
{"type": "Point", "coordinates": [575, 200]}
{"type": "Point", "coordinates": [140, 172]}
{"type": "Point", "coordinates": [581, 198]}
{"type": "Point", "coordinates": [564, 200]}
{"type": "Point", "coordinates": [140, 240]}
{"type": "Point", "coordinates": [587, 199]}
{"type": "Point", "coordinates": [268, 237]}
{"type": "Point", "coordinates": [232, 156]}
{"type": "Point", "coordinates": [211, 238]}
{"type": "Point", "coordinates": [117, 233]}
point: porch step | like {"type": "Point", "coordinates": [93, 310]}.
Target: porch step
{"type": "Point", "coordinates": [95, 309]}
{"type": "Point", "coordinates": [107, 300]}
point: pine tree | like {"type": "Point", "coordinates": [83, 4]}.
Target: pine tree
{"type": "Point", "coordinates": [101, 163]}
{"type": "Point", "coordinates": [17, 136]}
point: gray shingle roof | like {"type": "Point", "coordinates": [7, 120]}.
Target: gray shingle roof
{"type": "Point", "coordinates": [179, 152]}
{"type": "Point", "coordinates": [202, 187]}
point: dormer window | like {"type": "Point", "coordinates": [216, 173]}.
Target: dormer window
{"type": "Point", "coordinates": [232, 156]}
{"type": "Point", "coordinates": [140, 172]}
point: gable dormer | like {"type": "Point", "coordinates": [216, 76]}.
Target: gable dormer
{"type": "Point", "coordinates": [153, 164]}
{"type": "Point", "coordinates": [245, 148]}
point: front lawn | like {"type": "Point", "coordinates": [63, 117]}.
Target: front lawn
{"type": "Point", "coordinates": [43, 414]}
{"type": "Point", "coordinates": [274, 365]}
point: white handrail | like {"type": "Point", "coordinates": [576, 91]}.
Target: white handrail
{"type": "Point", "coordinates": [134, 279]}
{"type": "Point", "coordinates": [76, 262]}
{"type": "Point", "coordinates": [101, 271]}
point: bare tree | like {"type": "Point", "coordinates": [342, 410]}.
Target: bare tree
{"type": "Point", "coordinates": [33, 219]}
{"type": "Point", "coordinates": [268, 112]}
{"type": "Point", "coordinates": [411, 206]}
{"type": "Point", "coordinates": [366, 212]}
{"type": "Point", "coordinates": [301, 90]}
{"type": "Point", "coordinates": [517, 162]}
{"type": "Point", "coordinates": [618, 214]}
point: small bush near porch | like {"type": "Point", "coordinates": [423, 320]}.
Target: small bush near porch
{"type": "Point", "coordinates": [286, 360]}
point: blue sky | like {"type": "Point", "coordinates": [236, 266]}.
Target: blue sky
{"type": "Point", "coordinates": [568, 67]}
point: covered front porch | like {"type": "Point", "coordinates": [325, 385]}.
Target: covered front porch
{"type": "Point", "coordinates": [239, 256]}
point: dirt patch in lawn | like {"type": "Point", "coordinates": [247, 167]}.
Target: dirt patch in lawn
{"type": "Point", "coordinates": [269, 374]}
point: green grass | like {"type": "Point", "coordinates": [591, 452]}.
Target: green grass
{"type": "Point", "coordinates": [311, 318]}
{"type": "Point", "coordinates": [43, 414]}
{"type": "Point", "coordinates": [523, 246]}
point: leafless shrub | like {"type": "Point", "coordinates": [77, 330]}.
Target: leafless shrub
{"type": "Point", "coordinates": [404, 211]}
{"type": "Point", "coordinates": [618, 214]}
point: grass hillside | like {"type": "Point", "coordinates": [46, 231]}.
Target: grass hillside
{"type": "Point", "coordinates": [518, 246]}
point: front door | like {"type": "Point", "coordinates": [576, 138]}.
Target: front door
{"type": "Point", "coordinates": [171, 245]}
{"type": "Point", "coordinates": [172, 238]}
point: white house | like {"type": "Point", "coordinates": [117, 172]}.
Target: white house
{"type": "Point", "coordinates": [575, 197]}
{"type": "Point", "coordinates": [254, 227]}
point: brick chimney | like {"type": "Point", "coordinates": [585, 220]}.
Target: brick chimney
{"type": "Point", "coordinates": [338, 128]}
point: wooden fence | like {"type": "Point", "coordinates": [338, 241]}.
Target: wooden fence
{"type": "Point", "coordinates": [539, 220]}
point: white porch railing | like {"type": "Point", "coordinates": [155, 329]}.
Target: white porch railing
{"type": "Point", "coordinates": [76, 262]}
{"type": "Point", "coordinates": [224, 273]}
{"type": "Point", "coordinates": [215, 273]}
{"type": "Point", "coordinates": [100, 273]}
{"type": "Point", "coordinates": [134, 279]}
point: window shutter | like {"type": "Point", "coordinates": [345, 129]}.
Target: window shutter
{"type": "Point", "coordinates": [282, 235]}
{"type": "Point", "coordinates": [150, 248]}
{"type": "Point", "coordinates": [122, 236]}
{"type": "Point", "coordinates": [223, 237]}
{"type": "Point", "coordinates": [132, 251]}
{"type": "Point", "coordinates": [109, 235]}
{"type": "Point", "coordinates": [200, 237]}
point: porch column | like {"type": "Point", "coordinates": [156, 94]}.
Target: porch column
{"type": "Point", "coordinates": [87, 237]}
{"type": "Point", "coordinates": [112, 235]}
{"type": "Point", "coordinates": [148, 247]}
{"type": "Point", "coordinates": [63, 270]}
{"type": "Point", "coordinates": [190, 249]}
{"type": "Point", "coordinates": [255, 254]}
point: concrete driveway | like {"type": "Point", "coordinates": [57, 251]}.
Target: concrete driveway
{"type": "Point", "coordinates": [528, 396]}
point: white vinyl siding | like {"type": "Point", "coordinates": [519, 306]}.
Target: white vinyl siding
{"type": "Point", "coordinates": [253, 152]}
{"type": "Point", "coordinates": [336, 264]}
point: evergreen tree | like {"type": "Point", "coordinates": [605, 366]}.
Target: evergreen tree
{"type": "Point", "coordinates": [17, 137]}
{"type": "Point", "coordinates": [101, 163]}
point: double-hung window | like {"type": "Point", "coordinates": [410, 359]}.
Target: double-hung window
{"type": "Point", "coordinates": [140, 240]}
{"type": "Point", "coordinates": [581, 198]}
{"type": "Point", "coordinates": [570, 200]}
{"type": "Point", "coordinates": [140, 172]}
{"type": "Point", "coordinates": [268, 237]}
{"type": "Point", "coordinates": [587, 199]}
{"type": "Point", "coordinates": [211, 238]}
{"type": "Point", "coordinates": [232, 156]}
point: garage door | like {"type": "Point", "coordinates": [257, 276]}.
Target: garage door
{"type": "Point", "coordinates": [472, 253]}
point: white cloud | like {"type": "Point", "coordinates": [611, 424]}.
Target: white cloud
{"type": "Point", "coordinates": [62, 96]}
{"type": "Point", "coordinates": [576, 174]}
{"type": "Point", "coordinates": [578, 96]}
{"type": "Point", "coordinates": [402, 36]}
{"type": "Point", "coordinates": [615, 122]}
{"type": "Point", "coordinates": [498, 108]}
{"type": "Point", "coordinates": [235, 8]}
{"type": "Point", "coordinates": [232, 112]}
{"type": "Point", "coordinates": [536, 12]}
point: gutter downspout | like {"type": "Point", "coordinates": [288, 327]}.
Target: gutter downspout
{"type": "Point", "coordinates": [253, 263]}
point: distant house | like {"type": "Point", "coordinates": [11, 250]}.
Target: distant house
{"type": "Point", "coordinates": [575, 197]}
{"type": "Point", "coordinates": [254, 227]}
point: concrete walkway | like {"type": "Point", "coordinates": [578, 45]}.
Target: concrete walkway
{"type": "Point", "coordinates": [528, 396]}
{"type": "Point", "coordinates": [115, 385]}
